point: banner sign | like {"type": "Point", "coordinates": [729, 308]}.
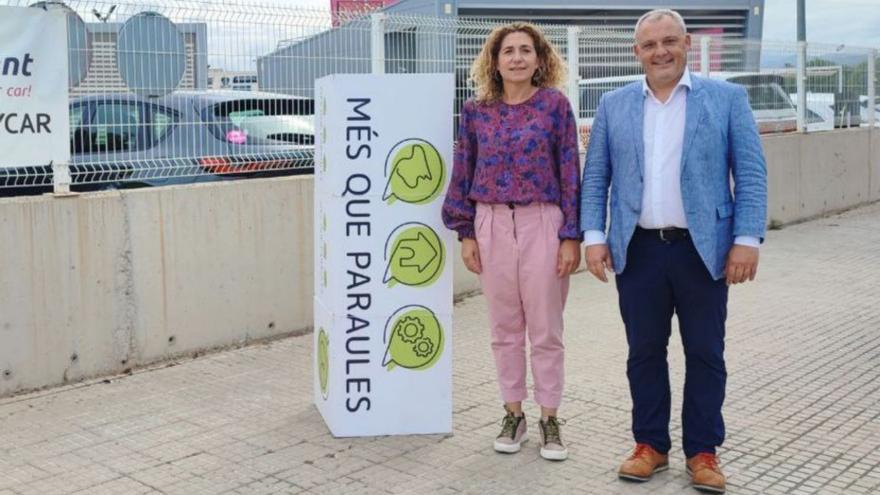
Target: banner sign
{"type": "Point", "coordinates": [34, 121]}
{"type": "Point", "coordinates": [383, 277]}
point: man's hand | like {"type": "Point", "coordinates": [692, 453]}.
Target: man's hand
{"type": "Point", "coordinates": [742, 264]}
{"type": "Point", "coordinates": [470, 254]}
{"type": "Point", "coordinates": [569, 257]}
{"type": "Point", "coordinates": [598, 259]}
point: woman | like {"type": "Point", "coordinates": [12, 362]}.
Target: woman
{"type": "Point", "coordinates": [513, 199]}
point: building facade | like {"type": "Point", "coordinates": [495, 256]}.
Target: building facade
{"type": "Point", "coordinates": [103, 75]}
{"type": "Point", "coordinates": [735, 27]}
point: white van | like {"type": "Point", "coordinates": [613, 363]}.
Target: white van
{"type": "Point", "coordinates": [863, 106]}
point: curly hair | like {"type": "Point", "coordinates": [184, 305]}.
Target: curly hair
{"type": "Point", "coordinates": [484, 73]}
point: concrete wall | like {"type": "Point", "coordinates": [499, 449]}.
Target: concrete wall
{"type": "Point", "coordinates": [874, 180]}
{"type": "Point", "coordinates": [100, 283]}
{"type": "Point", "coordinates": [819, 173]}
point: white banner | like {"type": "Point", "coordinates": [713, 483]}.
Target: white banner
{"type": "Point", "coordinates": [383, 277]}
{"type": "Point", "coordinates": [34, 122]}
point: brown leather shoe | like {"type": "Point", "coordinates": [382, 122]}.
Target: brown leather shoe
{"type": "Point", "coordinates": [706, 475]}
{"type": "Point", "coordinates": [643, 463]}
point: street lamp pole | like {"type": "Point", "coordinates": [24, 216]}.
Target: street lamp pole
{"type": "Point", "coordinates": [801, 20]}
{"type": "Point", "coordinates": [801, 67]}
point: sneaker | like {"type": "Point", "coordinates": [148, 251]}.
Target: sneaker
{"type": "Point", "coordinates": [706, 475]}
{"type": "Point", "coordinates": [552, 447]}
{"type": "Point", "coordinates": [513, 433]}
{"type": "Point", "coordinates": [643, 463]}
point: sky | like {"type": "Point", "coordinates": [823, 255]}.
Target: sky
{"type": "Point", "coordinates": [851, 22]}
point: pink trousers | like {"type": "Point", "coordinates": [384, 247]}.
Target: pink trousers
{"type": "Point", "coordinates": [518, 251]}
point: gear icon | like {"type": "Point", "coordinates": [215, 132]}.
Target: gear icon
{"type": "Point", "coordinates": [410, 329]}
{"type": "Point", "coordinates": [423, 347]}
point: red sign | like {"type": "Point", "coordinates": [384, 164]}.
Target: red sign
{"type": "Point", "coordinates": [342, 10]}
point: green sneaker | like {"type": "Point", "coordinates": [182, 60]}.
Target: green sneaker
{"type": "Point", "coordinates": [552, 447]}
{"type": "Point", "coordinates": [513, 433]}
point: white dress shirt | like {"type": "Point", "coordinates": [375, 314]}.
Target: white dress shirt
{"type": "Point", "coordinates": [663, 137]}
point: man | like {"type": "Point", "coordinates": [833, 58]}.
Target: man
{"type": "Point", "coordinates": [678, 237]}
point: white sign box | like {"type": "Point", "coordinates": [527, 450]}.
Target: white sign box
{"type": "Point", "coordinates": [34, 118]}
{"type": "Point", "coordinates": [383, 277]}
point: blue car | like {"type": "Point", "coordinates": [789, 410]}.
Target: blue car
{"type": "Point", "coordinates": [123, 140]}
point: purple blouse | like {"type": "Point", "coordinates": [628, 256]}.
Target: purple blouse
{"type": "Point", "coordinates": [520, 154]}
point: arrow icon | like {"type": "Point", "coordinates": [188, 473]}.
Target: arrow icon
{"type": "Point", "coordinates": [415, 256]}
{"type": "Point", "coordinates": [415, 247]}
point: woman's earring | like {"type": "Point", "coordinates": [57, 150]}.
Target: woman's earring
{"type": "Point", "coordinates": [497, 76]}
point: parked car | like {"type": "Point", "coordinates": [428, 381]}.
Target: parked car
{"type": "Point", "coordinates": [771, 106]}
{"type": "Point", "coordinates": [125, 140]}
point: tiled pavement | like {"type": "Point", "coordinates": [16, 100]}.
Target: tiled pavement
{"type": "Point", "coordinates": [802, 410]}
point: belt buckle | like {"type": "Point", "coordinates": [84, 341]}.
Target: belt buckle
{"type": "Point", "coordinates": [662, 237]}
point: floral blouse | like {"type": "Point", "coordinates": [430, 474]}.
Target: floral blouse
{"type": "Point", "coordinates": [522, 153]}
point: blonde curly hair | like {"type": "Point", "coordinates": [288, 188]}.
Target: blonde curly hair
{"type": "Point", "coordinates": [484, 73]}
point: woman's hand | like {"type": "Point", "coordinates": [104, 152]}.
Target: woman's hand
{"type": "Point", "coordinates": [569, 257]}
{"type": "Point", "coordinates": [470, 254]}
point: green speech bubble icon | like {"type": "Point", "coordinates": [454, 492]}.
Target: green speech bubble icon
{"type": "Point", "coordinates": [323, 362]}
{"type": "Point", "coordinates": [415, 172]}
{"type": "Point", "coordinates": [414, 337]}
{"type": "Point", "coordinates": [415, 255]}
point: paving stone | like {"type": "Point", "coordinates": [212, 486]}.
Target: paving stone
{"type": "Point", "coordinates": [801, 409]}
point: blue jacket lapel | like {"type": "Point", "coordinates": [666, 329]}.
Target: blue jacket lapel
{"type": "Point", "coordinates": [636, 113]}
{"type": "Point", "coordinates": [693, 115]}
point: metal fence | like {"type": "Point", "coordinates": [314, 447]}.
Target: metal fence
{"type": "Point", "coordinates": [173, 92]}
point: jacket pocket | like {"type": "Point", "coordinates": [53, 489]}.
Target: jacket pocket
{"type": "Point", "coordinates": [725, 210]}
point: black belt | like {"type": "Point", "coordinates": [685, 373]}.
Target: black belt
{"type": "Point", "coordinates": [669, 234]}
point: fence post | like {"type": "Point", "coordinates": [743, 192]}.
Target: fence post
{"type": "Point", "coordinates": [574, 55]}
{"type": "Point", "coordinates": [60, 178]}
{"type": "Point", "coordinates": [377, 42]}
{"type": "Point", "coordinates": [802, 86]}
{"type": "Point", "coordinates": [705, 45]}
{"type": "Point", "coordinates": [872, 86]}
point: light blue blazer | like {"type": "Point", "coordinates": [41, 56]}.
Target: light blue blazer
{"type": "Point", "coordinates": [721, 142]}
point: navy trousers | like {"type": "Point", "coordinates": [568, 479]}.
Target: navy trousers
{"type": "Point", "coordinates": [663, 278]}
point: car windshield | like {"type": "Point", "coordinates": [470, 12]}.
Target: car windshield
{"type": "Point", "coordinates": [765, 92]}
{"type": "Point", "coordinates": [265, 121]}
{"type": "Point", "coordinates": [768, 96]}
